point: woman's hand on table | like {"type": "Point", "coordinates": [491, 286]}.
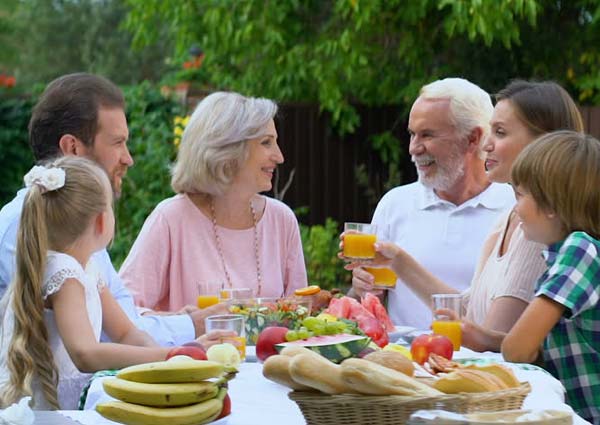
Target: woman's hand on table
{"type": "Point", "coordinates": [217, 337]}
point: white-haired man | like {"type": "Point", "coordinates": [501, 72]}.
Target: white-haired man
{"type": "Point", "coordinates": [441, 220]}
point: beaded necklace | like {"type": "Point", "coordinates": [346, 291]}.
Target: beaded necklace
{"type": "Point", "coordinates": [220, 249]}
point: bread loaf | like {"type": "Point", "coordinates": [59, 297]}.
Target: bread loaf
{"type": "Point", "coordinates": [277, 369]}
{"type": "Point", "coordinates": [367, 377]}
{"type": "Point", "coordinates": [469, 381]}
{"type": "Point", "coordinates": [503, 372]}
{"type": "Point", "coordinates": [318, 373]}
{"type": "Point", "coordinates": [393, 360]}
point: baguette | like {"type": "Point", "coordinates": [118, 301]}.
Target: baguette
{"type": "Point", "coordinates": [277, 369]}
{"type": "Point", "coordinates": [367, 377]}
{"type": "Point", "coordinates": [319, 373]}
{"type": "Point", "coordinates": [393, 360]}
{"type": "Point", "coordinates": [469, 381]}
{"type": "Point", "coordinates": [504, 373]}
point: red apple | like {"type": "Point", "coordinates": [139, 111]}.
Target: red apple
{"type": "Point", "coordinates": [194, 352]}
{"type": "Point", "coordinates": [423, 345]}
{"type": "Point", "coordinates": [265, 345]}
{"type": "Point", "coordinates": [226, 410]}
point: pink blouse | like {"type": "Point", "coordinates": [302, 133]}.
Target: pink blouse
{"type": "Point", "coordinates": [175, 254]}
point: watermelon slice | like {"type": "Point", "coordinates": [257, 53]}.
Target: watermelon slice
{"type": "Point", "coordinates": [333, 347]}
{"type": "Point", "coordinates": [349, 308]}
{"type": "Point", "coordinates": [372, 303]}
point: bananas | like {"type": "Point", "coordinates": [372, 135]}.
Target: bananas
{"type": "Point", "coordinates": [172, 372]}
{"type": "Point", "coordinates": [170, 393]}
{"type": "Point", "coordinates": [134, 414]}
{"type": "Point", "coordinates": [160, 395]}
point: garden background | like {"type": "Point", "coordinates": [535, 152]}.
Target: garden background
{"type": "Point", "coordinates": [344, 72]}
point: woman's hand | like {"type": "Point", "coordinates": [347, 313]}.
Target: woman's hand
{"type": "Point", "coordinates": [217, 337]}
{"type": "Point", "coordinates": [362, 283]}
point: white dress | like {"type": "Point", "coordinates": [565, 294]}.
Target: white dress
{"type": "Point", "coordinates": [59, 268]}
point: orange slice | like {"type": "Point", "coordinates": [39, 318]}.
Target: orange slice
{"type": "Point", "coordinates": [309, 290]}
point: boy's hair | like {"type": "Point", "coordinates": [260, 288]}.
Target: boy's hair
{"type": "Point", "coordinates": [542, 106]}
{"type": "Point", "coordinates": [561, 170]}
{"type": "Point", "coordinates": [51, 220]}
{"type": "Point", "coordinates": [70, 105]}
{"type": "Point", "coordinates": [213, 144]}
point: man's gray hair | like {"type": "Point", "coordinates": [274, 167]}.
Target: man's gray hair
{"type": "Point", "coordinates": [470, 105]}
{"type": "Point", "coordinates": [213, 143]}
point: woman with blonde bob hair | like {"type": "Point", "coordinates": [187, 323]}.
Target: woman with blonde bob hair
{"type": "Point", "coordinates": [218, 232]}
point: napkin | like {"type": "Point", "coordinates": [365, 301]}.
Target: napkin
{"type": "Point", "coordinates": [18, 413]}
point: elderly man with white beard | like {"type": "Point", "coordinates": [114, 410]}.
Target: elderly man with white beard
{"type": "Point", "coordinates": [441, 220]}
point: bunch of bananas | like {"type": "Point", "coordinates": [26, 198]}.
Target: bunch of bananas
{"type": "Point", "coordinates": [167, 392]}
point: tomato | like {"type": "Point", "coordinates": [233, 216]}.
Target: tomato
{"type": "Point", "coordinates": [423, 345]}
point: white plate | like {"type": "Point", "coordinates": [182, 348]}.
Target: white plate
{"type": "Point", "coordinates": [400, 331]}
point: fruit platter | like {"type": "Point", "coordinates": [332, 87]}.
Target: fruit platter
{"type": "Point", "coordinates": [260, 313]}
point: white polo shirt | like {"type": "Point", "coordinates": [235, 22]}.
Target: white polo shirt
{"type": "Point", "coordinates": [445, 238]}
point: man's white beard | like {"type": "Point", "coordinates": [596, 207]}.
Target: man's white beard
{"type": "Point", "coordinates": [448, 171]}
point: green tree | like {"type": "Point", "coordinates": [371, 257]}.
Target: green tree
{"type": "Point", "coordinates": [335, 52]}
{"type": "Point", "coordinates": [56, 37]}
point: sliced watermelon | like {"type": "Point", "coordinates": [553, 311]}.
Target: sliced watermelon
{"type": "Point", "coordinates": [333, 347]}
{"type": "Point", "coordinates": [372, 303]}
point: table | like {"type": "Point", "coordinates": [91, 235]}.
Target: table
{"type": "Point", "coordinates": [257, 401]}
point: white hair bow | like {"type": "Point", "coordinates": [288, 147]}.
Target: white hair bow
{"type": "Point", "coordinates": [47, 178]}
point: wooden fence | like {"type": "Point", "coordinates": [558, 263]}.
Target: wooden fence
{"type": "Point", "coordinates": [325, 162]}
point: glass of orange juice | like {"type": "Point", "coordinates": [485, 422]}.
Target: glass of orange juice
{"type": "Point", "coordinates": [359, 239]}
{"type": "Point", "coordinates": [384, 277]}
{"type": "Point", "coordinates": [208, 294]}
{"type": "Point", "coordinates": [229, 322]}
{"type": "Point", "coordinates": [448, 324]}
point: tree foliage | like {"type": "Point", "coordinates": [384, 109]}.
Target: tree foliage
{"type": "Point", "coordinates": [338, 52]}
{"type": "Point", "coordinates": [335, 52]}
{"type": "Point", "coordinates": [55, 37]}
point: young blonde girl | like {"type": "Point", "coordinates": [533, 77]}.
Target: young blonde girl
{"type": "Point", "coordinates": [557, 181]}
{"type": "Point", "coordinates": [54, 313]}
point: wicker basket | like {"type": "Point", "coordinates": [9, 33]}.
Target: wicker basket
{"type": "Point", "coordinates": [322, 409]}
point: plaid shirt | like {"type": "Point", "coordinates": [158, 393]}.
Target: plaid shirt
{"type": "Point", "coordinates": [572, 348]}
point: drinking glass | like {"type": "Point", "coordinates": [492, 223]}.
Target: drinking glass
{"type": "Point", "coordinates": [384, 277]}
{"type": "Point", "coordinates": [229, 322]}
{"type": "Point", "coordinates": [208, 293]}
{"type": "Point", "coordinates": [449, 326]}
{"type": "Point", "coordinates": [358, 241]}
{"type": "Point", "coordinates": [236, 293]}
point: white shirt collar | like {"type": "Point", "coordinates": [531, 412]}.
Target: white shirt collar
{"type": "Point", "coordinates": [490, 198]}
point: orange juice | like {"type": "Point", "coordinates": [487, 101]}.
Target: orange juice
{"type": "Point", "coordinates": [359, 245]}
{"type": "Point", "coordinates": [204, 301]}
{"type": "Point", "coordinates": [384, 276]}
{"type": "Point", "coordinates": [225, 294]}
{"type": "Point", "coordinates": [449, 328]}
{"type": "Point", "coordinates": [240, 344]}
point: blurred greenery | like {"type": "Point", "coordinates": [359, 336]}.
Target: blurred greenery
{"type": "Point", "coordinates": [15, 156]}
{"type": "Point", "coordinates": [321, 245]}
{"type": "Point", "coordinates": [42, 39]}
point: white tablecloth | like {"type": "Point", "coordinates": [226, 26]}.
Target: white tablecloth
{"type": "Point", "coordinates": [257, 401]}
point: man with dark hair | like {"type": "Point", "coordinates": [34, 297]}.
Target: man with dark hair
{"type": "Point", "coordinates": [84, 115]}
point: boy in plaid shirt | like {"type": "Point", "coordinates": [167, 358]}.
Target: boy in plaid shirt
{"type": "Point", "coordinates": [557, 184]}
